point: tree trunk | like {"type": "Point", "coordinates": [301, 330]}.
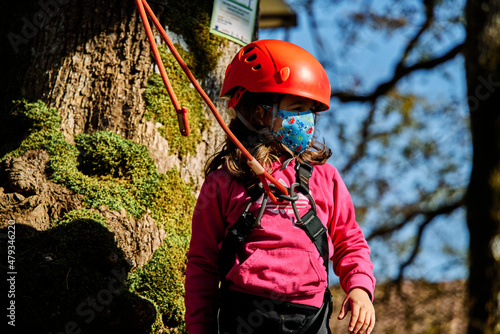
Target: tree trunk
{"type": "Point", "coordinates": [91, 61]}
{"type": "Point", "coordinates": [483, 78]}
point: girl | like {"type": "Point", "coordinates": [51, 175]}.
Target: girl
{"type": "Point", "coordinates": [257, 265]}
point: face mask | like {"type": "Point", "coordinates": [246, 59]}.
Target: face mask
{"type": "Point", "coordinates": [296, 129]}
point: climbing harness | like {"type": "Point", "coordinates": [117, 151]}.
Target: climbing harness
{"type": "Point", "coordinates": [309, 222]}
{"type": "Point", "coordinates": [182, 116]}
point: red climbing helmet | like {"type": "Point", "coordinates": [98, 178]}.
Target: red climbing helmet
{"type": "Point", "coordinates": [273, 66]}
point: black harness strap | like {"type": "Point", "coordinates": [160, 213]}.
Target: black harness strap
{"type": "Point", "coordinates": [234, 238]}
{"type": "Point", "coordinates": [253, 189]}
{"type": "Point", "coordinates": [316, 231]}
{"type": "Point", "coordinates": [304, 172]}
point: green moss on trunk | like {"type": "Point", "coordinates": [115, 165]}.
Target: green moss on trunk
{"type": "Point", "coordinates": [107, 170]}
{"type": "Point", "coordinates": [189, 19]}
{"type": "Point", "coordinates": [160, 108]}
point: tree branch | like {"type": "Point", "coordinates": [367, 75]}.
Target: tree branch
{"type": "Point", "coordinates": [428, 214]}
{"type": "Point", "coordinates": [416, 247]}
{"type": "Point", "coordinates": [429, 17]}
{"type": "Point", "coordinates": [321, 48]}
{"type": "Point", "coordinates": [365, 131]}
{"type": "Point", "coordinates": [361, 148]}
{"type": "Point", "coordinates": [399, 73]}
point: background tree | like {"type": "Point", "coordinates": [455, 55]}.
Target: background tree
{"type": "Point", "coordinates": [483, 81]}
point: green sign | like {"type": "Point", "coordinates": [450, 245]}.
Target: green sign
{"type": "Point", "coordinates": [234, 19]}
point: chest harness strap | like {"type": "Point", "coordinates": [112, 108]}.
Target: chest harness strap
{"type": "Point", "coordinates": [309, 222]}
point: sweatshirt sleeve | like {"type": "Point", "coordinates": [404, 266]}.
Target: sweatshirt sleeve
{"type": "Point", "coordinates": [202, 273]}
{"type": "Point", "coordinates": [351, 258]}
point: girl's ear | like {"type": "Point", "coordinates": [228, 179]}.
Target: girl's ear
{"type": "Point", "coordinates": [260, 112]}
{"type": "Point", "coordinates": [260, 115]}
{"type": "Point", "coordinates": [265, 117]}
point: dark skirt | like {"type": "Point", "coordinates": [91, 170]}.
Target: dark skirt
{"type": "Point", "coordinates": [241, 313]}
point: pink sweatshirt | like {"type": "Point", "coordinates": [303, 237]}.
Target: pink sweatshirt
{"type": "Point", "coordinates": [278, 260]}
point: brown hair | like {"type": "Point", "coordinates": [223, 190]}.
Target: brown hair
{"type": "Point", "coordinates": [263, 148]}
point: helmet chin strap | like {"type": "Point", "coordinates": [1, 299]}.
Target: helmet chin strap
{"type": "Point", "coordinates": [266, 131]}
{"type": "Point", "coordinates": [275, 112]}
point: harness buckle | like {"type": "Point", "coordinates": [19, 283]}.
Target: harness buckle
{"type": "Point", "coordinates": [304, 171]}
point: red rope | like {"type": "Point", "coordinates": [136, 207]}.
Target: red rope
{"type": "Point", "coordinates": [181, 111]}
{"type": "Point", "coordinates": [143, 7]}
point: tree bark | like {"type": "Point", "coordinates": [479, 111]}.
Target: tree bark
{"type": "Point", "coordinates": [483, 78]}
{"type": "Point", "coordinates": [91, 60]}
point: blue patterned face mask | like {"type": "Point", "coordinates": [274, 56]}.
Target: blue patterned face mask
{"type": "Point", "coordinates": [296, 130]}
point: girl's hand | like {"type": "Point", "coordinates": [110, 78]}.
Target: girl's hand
{"type": "Point", "coordinates": [362, 312]}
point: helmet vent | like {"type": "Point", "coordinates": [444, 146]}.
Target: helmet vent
{"type": "Point", "coordinates": [248, 50]}
{"type": "Point", "coordinates": [251, 58]}
{"type": "Point", "coordinates": [256, 67]}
